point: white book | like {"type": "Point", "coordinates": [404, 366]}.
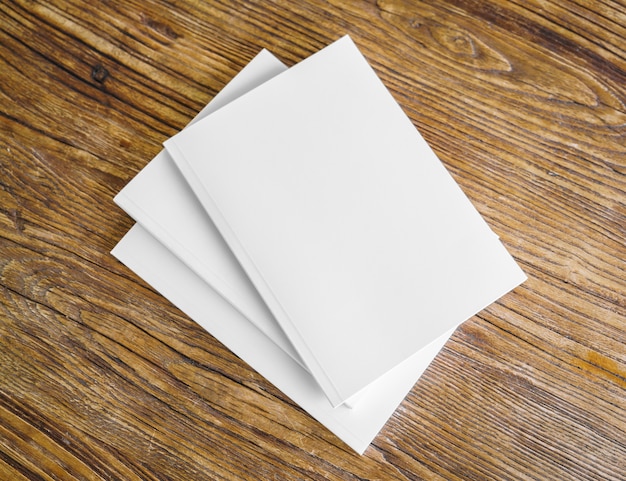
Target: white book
{"type": "Point", "coordinates": [159, 199]}
{"type": "Point", "coordinates": [357, 238]}
{"type": "Point", "coordinates": [174, 236]}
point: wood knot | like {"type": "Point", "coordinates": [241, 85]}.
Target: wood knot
{"type": "Point", "coordinates": [456, 41]}
{"type": "Point", "coordinates": [99, 73]}
{"type": "Point", "coordinates": [164, 31]}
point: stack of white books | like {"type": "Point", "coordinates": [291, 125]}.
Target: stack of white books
{"type": "Point", "coordinates": [303, 221]}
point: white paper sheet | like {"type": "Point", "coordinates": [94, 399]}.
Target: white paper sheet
{"type": "Point", "coordinates": [357, 427]}
{"type": "Point", "coordinates": [359, 241]}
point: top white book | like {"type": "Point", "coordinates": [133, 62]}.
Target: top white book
{"type": "Point", "coordinates": [353, 232]}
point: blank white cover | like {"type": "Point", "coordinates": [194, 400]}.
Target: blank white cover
{"type": "Point", "coordinates": [360, 242]}
{"type": "Point", "coordinates": [357, 427]}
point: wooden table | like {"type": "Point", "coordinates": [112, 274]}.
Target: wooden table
{"type": "Point", "coordinates": [101, 378]}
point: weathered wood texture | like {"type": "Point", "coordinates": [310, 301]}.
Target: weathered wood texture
{"type": "Point", "coordinates": [101, 378]}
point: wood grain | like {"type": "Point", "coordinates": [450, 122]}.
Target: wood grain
{"type": "Point", "coordinates": [101, 378]}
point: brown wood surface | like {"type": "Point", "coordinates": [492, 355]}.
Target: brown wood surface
{"type": "Point", "coordinates": [101, 378]}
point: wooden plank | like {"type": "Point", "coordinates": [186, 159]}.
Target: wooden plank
{"type": "Point", "coordinates": [101, 378]}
